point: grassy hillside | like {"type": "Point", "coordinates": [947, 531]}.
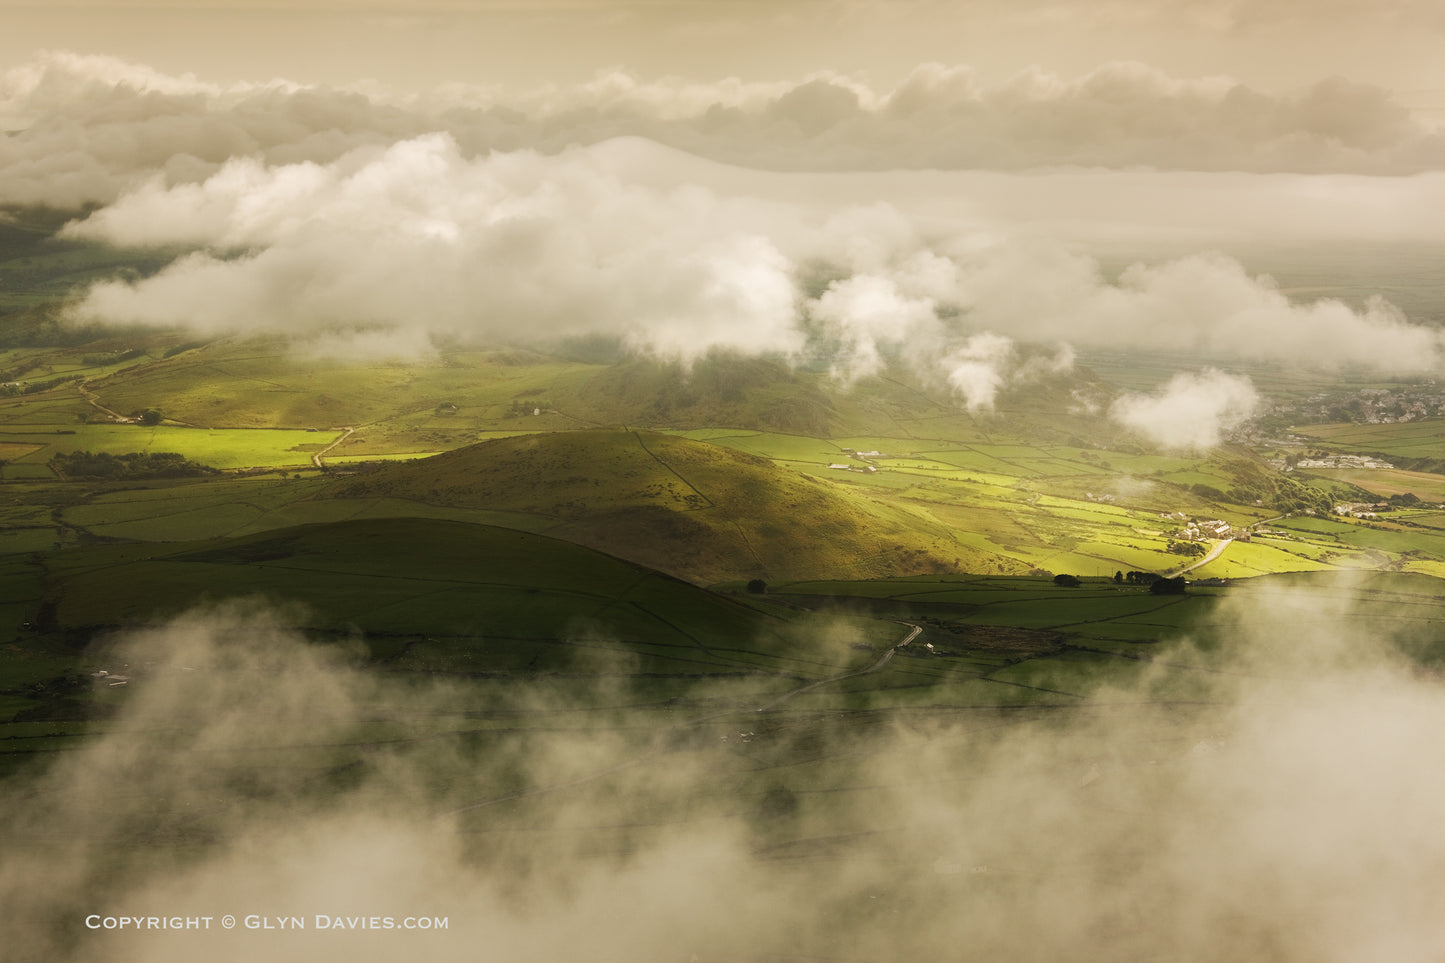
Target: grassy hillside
{"type": "Point", "coordinates": [696, 510]}
{"type": "Point", "coordinates": [425, 593]}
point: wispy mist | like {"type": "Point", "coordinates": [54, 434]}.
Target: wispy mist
{"type": "Point", "coordinates": [1269, 795]}
{"type": "Point", "coordinates": [1191, 412]}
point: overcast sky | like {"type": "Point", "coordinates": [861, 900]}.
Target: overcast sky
{"type": "Point", "coordinates": [1269, 43]}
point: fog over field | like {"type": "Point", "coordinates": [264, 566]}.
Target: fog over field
{"type": "Point", "coordinates": [1288, 809]}
{"type": "Point", "coordinates": [981, 195]}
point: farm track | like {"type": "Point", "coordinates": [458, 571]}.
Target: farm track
{"type": "Point", "coordinates": [93, 400]}
{"type": "Point", "coordinates": [316, 456]}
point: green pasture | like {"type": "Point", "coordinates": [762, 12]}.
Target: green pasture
{"type": "Point", "coordinates": [1261, 557]}
{"type": "Point", "coordinates": [927, 468]}
{"type": "Point", "coordinates": [1428, 518]}
{"type": "Point", "coordinates": [24, 472]}
{"type": "Point", "coordinates": [51, 412]}
{"type": "Point", "coordinates": [11, 450]}
{"type": "Point", "coordinates": [226, 449]}
{"type": "Point", "coordinates": [259, 384]}
{"type": "Point", "coordinates": [887, 446]}
{"type": "Point", "coordinates": [794, 448]}
{"type": "Point", "coordinates": [974, 460]}
{"type": "Point", "coordinates": [1385, 482]}
{"type": "Point", "coordinates": [1413, 439]}
{"type": "Point", "coordinates": [1381, 536]}
{"type": "Point", "coordinates": [884, 479]}
{"type": "Point", "coordinates": [1051, 467]}
{"type": "Point", "coordinates": [1129, 463]}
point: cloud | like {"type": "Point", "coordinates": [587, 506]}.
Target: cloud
{"type": "Point", "coordinates": [417, 238]}
{"type": "Point", "coordinates": [987, 363]}
{"type": "Point", "coordinates": [414, 245]}
{"type": "Point", "coordinates": [867, 322]}
{"type": "Point", "coordinates": [1206, 306]}
{"type": "Point", "coordinates": [1187, 810]}
{"type": "Point", "coordinates": [84, 129]}
{"type": "Point", "coordinates": [864, 312]}
{"type": "Point", "coordinates": [1192, 411]}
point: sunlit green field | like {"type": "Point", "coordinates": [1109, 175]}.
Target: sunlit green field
{"type": "Point", "coordinates": [219, 448]}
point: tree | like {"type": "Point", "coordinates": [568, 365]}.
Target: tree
{"type": "Point", "coordinates": [1066, 581]}
{"type": "Point", "coordinates": [1118, 578]}
{"type": "Point", "coordinates": [150, 417]}
{"type": "Point", "coordinates": [1169, 586]}
{"type": "Point", "coordinates": [757, 586]}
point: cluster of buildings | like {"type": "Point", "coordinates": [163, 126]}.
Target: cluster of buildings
{"type": "Point", "coordinates": [1370, 406]}
{"type": "Point", "coordinates": [1197, 530]}
{"type": "Point", "coordinates": [1359, 509]}
{"type": "Point", "coordinates": [1341, 461]}
{"type": "Point", "coordinates": [862, 461]}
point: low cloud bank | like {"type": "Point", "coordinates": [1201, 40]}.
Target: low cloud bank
{"type": "Point", "coordinates": [1227, 811]}
{"type": "Point", "coordinates": [86, 128]}
{"type": "Point", "coordinates": [402, 248]}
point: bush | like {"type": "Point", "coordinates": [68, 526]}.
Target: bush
{"type": "Point", "coordinates": [134, 464]}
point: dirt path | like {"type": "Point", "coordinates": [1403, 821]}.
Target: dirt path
{"type": "Point", "coordinates": [316, 457]}
{"type": "Point", "coordinates": [94, 402]}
